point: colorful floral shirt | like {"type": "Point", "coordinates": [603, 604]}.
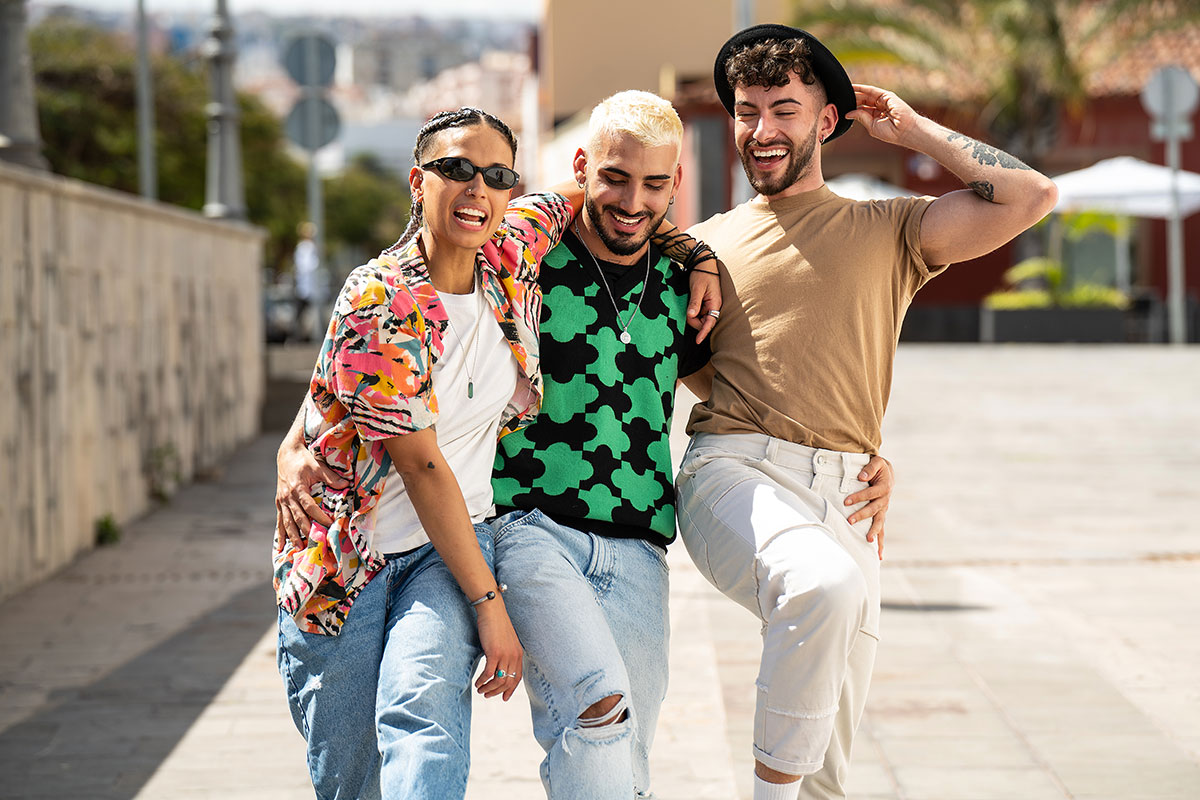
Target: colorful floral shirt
{"type": "Point", "coordinates": [374, 381]}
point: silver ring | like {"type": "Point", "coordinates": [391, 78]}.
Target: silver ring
{"type": "Point", "coordinates": [714, 314]}
{"type": "Point", "coordinates": [501, 673]}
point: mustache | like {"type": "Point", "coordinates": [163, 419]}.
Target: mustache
{"type": "Point", "coordinates": [781, 143]}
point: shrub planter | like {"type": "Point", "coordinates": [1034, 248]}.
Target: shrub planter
{"type": "Point", "coordinates": [1052, 325]}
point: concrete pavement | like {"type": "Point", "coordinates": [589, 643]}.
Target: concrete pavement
{"type": "Point", "coordinates": [1041, 616]}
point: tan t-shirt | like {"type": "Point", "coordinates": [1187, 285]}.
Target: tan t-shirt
{"type": "Point", "coordinates": [816, 290]}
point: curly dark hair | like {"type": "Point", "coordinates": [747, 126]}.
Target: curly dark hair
{"type": "Point", "coordinates": [444, 120]}
{"type": "Point", "coordinates": [771, 62]}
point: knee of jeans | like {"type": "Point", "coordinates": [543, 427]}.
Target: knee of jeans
{"type": "Point", "coordinates": [605, 711]}
{"type": "Point", "coordinates": [606, 719]}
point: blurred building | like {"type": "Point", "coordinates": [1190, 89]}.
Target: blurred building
{"type": "Point", "coordinates": [399, 59]}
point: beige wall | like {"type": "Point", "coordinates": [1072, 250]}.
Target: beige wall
{"type": "Point", "coordinates": [126, 328]}
{"type": "Point", "coordinates": [593, 49]}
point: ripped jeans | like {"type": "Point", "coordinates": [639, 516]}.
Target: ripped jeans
{"type": "Point", "coordinates": [592, 615]}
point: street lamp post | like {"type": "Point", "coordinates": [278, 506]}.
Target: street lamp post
{"type": "Point", "coordinates": [20, 140]}
{"type": "Point", "coordinates": [224, 196]}
{"type": "Point", "coordinates": [741, 191]}
{"type": "Point", "coordinates": [147, 163]}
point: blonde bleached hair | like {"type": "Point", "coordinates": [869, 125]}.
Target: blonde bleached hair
{"type": "Point", "coordinates": [645, 116]}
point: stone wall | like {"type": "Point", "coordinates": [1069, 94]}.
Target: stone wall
{"type": "Point", "coordinates": [131, 349]}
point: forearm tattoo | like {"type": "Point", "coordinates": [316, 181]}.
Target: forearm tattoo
{"type": "Point", "coordinates": [987, 156]}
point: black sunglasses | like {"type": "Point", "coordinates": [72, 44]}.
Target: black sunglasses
{"type": "Point", "coordinates": [457, 168]}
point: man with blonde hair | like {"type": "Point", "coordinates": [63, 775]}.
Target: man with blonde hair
{"type": "Point", "coordinates": [585, 492]}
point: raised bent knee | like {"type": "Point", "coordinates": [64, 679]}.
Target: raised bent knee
{"type": "Point", "coordinates": [844, 592]}
{"type": "Point", "coordinates": [840, 594]}
{"type": "Point", "coordinates": [606, 711]}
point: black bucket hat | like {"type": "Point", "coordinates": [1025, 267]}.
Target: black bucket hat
{"type": "Point", "coordinates": [825, 65]}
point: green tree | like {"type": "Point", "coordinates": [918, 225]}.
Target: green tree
{"type": "Point", "coordinates": [1018, 63]}
{"type": "Point", "coordinates": [86, 96]}
{"type": "Point", "coordinates": [366, 208]}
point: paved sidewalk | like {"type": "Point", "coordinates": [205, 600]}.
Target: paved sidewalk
{"type": "Point", "coordinates": [1041, 617]}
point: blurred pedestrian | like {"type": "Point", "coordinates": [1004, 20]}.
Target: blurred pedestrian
{"type": "Point", "coordinates": [306, 263]}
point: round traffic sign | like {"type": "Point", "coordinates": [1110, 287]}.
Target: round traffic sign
{"type": "Point", "coordinates": [309, 59]}
{"type": "Point", "coordinates": [1170, 92]}
{"type": "Point", "coordinates": [312, 123]}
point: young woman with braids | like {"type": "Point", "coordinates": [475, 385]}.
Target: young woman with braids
{"type": "Point", "coordinates": [432, 351]}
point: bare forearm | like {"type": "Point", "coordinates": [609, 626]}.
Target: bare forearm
{"type": "Point", "coordinates": [988, 171]}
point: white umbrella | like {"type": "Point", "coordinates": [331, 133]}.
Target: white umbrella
{"type": "Point", "coordinates": [1128, 186]}
{"type": "Point", "coordinates": [857, 186]}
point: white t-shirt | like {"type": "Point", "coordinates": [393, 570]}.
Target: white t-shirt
{"type": "Point", "coordinates": [306, 263]}
{"type": "Point", "coordinates": [466, 426]}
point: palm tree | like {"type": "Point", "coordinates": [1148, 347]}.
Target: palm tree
{"type": "Point", "coordinates": [1019, 63]}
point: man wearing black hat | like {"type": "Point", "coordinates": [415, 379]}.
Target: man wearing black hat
{"type": "Point", "coordinates": [815, 292]}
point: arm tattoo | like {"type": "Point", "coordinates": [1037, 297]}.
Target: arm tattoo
{"type": "Point", "coordinates": [984, 190]}
{"type": "Point", "coordinates": [987, 155]}
{"type": "Point", "coordinates": [429, 465]}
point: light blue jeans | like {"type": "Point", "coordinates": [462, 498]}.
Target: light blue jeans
{"type": "Point", "coordinates": [386, 705]}
{"type": "Point", "coordinates": [592, 615]}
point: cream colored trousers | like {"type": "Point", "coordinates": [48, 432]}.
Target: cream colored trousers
{"type": "Point", "coordinates": [765, 522]}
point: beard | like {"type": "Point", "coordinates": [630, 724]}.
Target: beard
{"type": "Point", "coordinates": [619, 243]}
{"type": "Point", "coordinates": [799, 160]}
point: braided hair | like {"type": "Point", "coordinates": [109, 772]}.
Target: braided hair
{"type": "Point", "coordinates": [444, 120]}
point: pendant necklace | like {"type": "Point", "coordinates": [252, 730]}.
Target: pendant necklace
{"type": "Point", "coordinates": [624, 324]}
{"type": "Point", "coordinates": [468, 347]}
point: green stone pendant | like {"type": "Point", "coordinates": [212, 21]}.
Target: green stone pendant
{"type": "Point", "coordinates": [470, 389]}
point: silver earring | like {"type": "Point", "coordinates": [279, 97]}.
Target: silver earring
{"type": "Point", "coordinates": [671, 202]}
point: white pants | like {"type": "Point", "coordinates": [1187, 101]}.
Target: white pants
{"type": "Point", "coordinates": [765, 522]}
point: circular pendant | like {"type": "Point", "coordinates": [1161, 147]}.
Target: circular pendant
{"type": "Point", "coordinates": [625, 337]}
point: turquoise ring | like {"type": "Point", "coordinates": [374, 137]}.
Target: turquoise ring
{"type": "Point", "coordinates": [501, 673]}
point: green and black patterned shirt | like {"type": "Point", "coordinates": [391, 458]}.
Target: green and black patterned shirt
{"type": "Point", "coordinates": [598, 458]}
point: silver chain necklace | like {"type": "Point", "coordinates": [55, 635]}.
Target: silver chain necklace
{"type": "Point", "coordinates": [469, 347]}
{"type": "Point", "coordinates": [624, 324]}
